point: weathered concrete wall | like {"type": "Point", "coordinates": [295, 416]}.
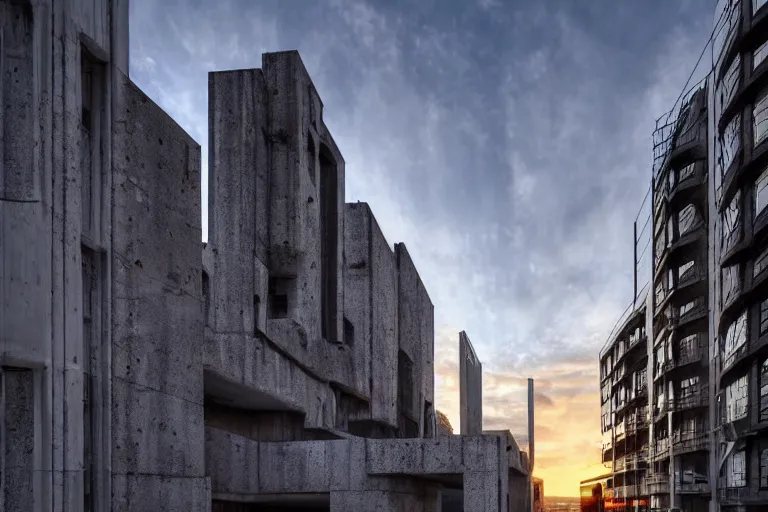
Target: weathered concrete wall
{"type": "Point", "coordinates": [370, 304]}
{"type": "Point", "coordinates": [299, 139]}
{"type": "Point", "coordinates": [470, 388]}
{"type": "Point", "coordinates": [157, 321]}
{"type": "Point", "coordinates": [42, 232]}
{"type": "Point", "coordinates": [416, 339]}
{"type": "Point", "coordinates": [238, 199]}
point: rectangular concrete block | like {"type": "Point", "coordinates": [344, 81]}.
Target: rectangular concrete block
{"type": "Point", "coordinates": [159, 493]}
{"type": "Point", "coordinates": [470, 388]}
{"type": "Point", "coordinates": [232, 462]}
{"type": "Point", "coordinates": [157, 433]}
{"type": "Point", "coordinates": [299, 467]}
{"type": "Point", "coordinates": [481, 491]}
{"type": "Point", "coordinates": [238, 189]}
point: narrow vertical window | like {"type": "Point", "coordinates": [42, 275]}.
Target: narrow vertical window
{"type": "Point", "coordinates": [349, 333]}
{"type": "Point", "coordinates": [89, 330]}
{"type": "Point", "coordinates": [329, 237]}
{"type": "Point", "coordinates": [256, 314]}
{"type": "Point", "coordinates": [91, 99]}
{"type": "Point", "coordinates": [311, 158]}
{"type": "Point", "coordinates": [206, 298]}
{"type": "Point", "coordinates": [761, 193]}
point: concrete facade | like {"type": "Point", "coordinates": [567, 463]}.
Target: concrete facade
{"type": "Point", "coordinates": [470, 387]}
{"type": "Point", "coordinates": [287, 362]}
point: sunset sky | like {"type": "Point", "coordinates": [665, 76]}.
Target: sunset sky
{"type": "Point", "coordinates": [508, 144]}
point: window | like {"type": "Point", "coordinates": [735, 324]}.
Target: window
{"type": "Point", "coordinates": [206, 297]}
{"type": "Point", "coordinates": [688, 348]}
{"type": "Point", "coordinates": [687, 308]}
{"type": "Point", "coordinates": [761, 263]}
{"type": "Point", "coordinates": [731, 223]}
{"type": "Point", "coordinates": [761, 192]}
{"type": "Point", "coordinates": [764, 317]}
{"type": "Point", "coordinates": [735, 338]}
{"type": "Point", "coordinates": [689, 387]}
{"type": "Point", "coordinates": [90, 335]}
{"type": "Point", "coordinates": [764, 391]}
{"type": "Point", "coordinates": [349, 333]}
{"type": "Point", "coordinates": [686, 172]}
{"type": "Point", "coordinates": [256, 314]}
{"type": "Point", "coordinates": [311, 158]}
{"type": "Point", "coordinates": [727, 147]}
{"type": "Point", "coordinates": [760, 118]}
{"type": "Point", "coordinates": [659, 245]}
{"type": "Point", "coordinates": [736, 399]}
{"type": "Point", "coordinates": [682, 270]}
{"type": "Point", "coordinates": [726, 16]}
{"type": "Point", "coordinates": [758, 56]}
{"type": "Point", "coordinates": [764, 468]}
{"type": "Point", "coordinates": [736, 470]}
{"type": "Point", "coordinates": [729, 85]}
{"type": "Point", "coordinates": [670, 231]}
{"type": "Point", "coordinates": [279, 288]}
{"type": "Point", "coordinates": [329, 184]}
{"type": "Point", "coordinates": [686, 219]}
{"type": "Point", "coordinates": [731, 284]}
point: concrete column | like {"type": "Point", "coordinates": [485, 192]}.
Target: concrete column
{"type": "Point", "coordinates": [481, 491]}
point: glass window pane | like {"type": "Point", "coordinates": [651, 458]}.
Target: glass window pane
{"type": "Point", "coordinates": [761, 192]}
{"type": "Point", "coordinates": [761, 263]}
{"type": "Point", "coordinates": [759, 55]}
{"type": "Point", "coordinates": [760, 118]}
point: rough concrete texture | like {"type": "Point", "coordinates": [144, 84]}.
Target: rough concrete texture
{"type": "Point", "coordinates": [370, 295]}
{"type": "Point", "coordinates": [389, 472]}
{"type": "Point", "coordinates": [42, 235]}
{"type": "Point", "coordinates": [157, 325]}
{"type": "Point", "coordinates": [470, 388]}
{"type": "Point", "coordinates": [158, 369]}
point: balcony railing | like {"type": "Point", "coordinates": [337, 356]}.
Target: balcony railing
{"type": "Point", "coordinates": [698, 398]}
{"type": "Point", "coordinates": [657, 484]}
{"type": "Point", "coordinates": [660, 450]}
{"type": "Point", "coordinates": [690, 441]}
{"type": "Point", "coordinates": [732, 494]}
{"type": "Point", "coordinates": [688, 356]}
{"type": "Point", "coordinates": [692, 488]}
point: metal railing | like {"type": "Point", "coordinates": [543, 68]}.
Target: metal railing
{"type": "Point", "coordinates": [657, 484]}
{"type": "Point", "coordinates": [690, 487]}
{"type": "Point", "coordinates": [698, 398]}
{"type": "Point", "coordinates": [690, 441]}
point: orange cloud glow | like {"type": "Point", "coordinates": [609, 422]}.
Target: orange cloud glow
{"type": "Point", "coordinates": [567, 409]}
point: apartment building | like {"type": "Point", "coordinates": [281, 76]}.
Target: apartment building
{"type": "Point", "coordinates": [624, 405]}
{"type": "Point", "coordinates": [706, 308]}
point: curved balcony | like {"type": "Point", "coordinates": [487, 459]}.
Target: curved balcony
{"type": "Point", "coordinates": [692, 488]}
{"type": "Point", "coordinates": [660, 450]}
{"type": "Point", "coordinates": [686, 442]}
{"type": "Point", "coordinates": [698, 398]}
{"type": "Point", "coordinates": [732, 495]}
{"type": "Point", "coordinates": [657, 484]}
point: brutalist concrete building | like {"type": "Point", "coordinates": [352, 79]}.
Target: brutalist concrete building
{"type": "Point", "coordinates": [288, 362]}
{"type": "Point", "coordinates": [707, 310]}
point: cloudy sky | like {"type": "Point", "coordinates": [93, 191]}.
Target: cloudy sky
{"type": "Point", "coordinates": [507, 143]}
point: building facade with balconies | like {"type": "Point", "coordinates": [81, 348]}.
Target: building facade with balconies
{"type": "Point", "coordinates": [624, 403]}
{"type": "Point", "coordinates": [707, 312]}
{"type": "Point", "coordinates": [740, 254]}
